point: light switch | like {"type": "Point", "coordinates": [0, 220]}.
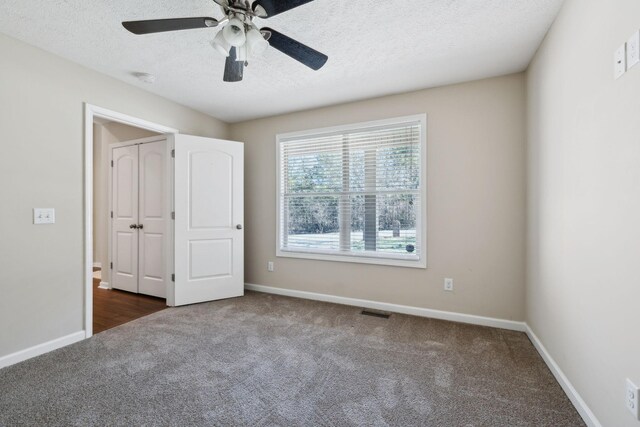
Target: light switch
{"type": "Point", "coordinates": [620, 59]}
{"type": "Point", "coordinates": [44, 215]}
{"type": "Point", "coordinates": [633, 50]}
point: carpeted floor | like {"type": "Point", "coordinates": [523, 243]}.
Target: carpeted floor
{"type": "Point", "coordinates": [265, 360]}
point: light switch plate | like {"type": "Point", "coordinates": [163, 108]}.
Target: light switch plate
{"type": "Point", "coordinates": [620, 59]}
{"type": "Point", "coordinates": [633, 50]}
{"type": "Point", "coordinates": [44, 215]}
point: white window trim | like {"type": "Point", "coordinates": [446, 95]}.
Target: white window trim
{"type": "Point", "coordinates": [386, 259]}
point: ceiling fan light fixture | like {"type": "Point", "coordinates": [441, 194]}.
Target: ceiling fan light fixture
{"type": "Point", "coordinates": [234, 33]}
{"type": "Point", "coordinates": [239, 38]}
{"type": "Point", "coordinates": [221, 45]}
{"type": "Point", "coordinates": [241, 53]}
{"type": "Point", "coordinates": [256, 44]}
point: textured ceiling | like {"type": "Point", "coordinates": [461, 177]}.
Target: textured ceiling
{"type": "Point", "coordinates": [375, 47]}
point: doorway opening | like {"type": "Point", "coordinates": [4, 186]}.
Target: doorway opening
{"type": "Point", "coordinates": [105, 305]}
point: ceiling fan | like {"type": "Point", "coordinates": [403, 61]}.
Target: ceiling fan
{"type": "Point", "coordinates": [240, 38]}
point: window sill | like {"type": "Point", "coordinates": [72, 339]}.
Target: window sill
{"type": "Point", "coordinates": [414, 262]}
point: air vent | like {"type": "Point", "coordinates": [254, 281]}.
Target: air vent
{"type": "Point", "coordinates": [375, 313]}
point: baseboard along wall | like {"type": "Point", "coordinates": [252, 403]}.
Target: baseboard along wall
{"type": "Point", "coordinates": [585, 412]}
{"type": "Point", "coordinates": [395, 308]}
{"type": "Point", "coordinates": [39, 349]}
{"type": "Point", "coordinates": [577, 401]}
{"type": "Point", "coordinates": [581, 406]}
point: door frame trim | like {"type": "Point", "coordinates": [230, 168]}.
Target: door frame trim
{"type": "Point", "coordinates": [90, 113]}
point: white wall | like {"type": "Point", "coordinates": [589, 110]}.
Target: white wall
{"type": "Point", "coordinates": [103, 136]}
{"type": "Point", "coordinates": [476, 202]}
{"type": "Point", "coordinates": [583, 291]}
{"type": "Point", "coordinates": [41, 118]}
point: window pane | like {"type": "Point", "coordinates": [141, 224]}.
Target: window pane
{"type": "Point", "coordinates": [314, 173]}
{"type": "Point", "coordinates": [313, 222]}
{"type": "Point", "coordinates": [398, 168]}
{"type": "Point", "coordinates": [395, 227]}
{"type": "Point", "coordinates": [397, 223]}
{"type": "Point", "coordinates": [353, 192]}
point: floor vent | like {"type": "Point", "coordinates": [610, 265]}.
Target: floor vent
{"type": "Point", "coordinates": [375, 313]}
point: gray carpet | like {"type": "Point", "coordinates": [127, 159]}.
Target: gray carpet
{"type": "Point", "coordinates": [265, 360]}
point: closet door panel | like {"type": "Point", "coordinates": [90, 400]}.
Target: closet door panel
{"type": "Point", "coordinates": [125, 214]}
{"type": "Point", "coordinates": [154, 218]}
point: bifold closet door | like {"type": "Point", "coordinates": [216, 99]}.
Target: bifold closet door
{"type": "Point", "coordinates": [124, 238]}
{"type": "Point", "coordinates": [153, 217]}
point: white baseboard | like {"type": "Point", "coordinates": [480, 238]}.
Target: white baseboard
{"type": "Point", "coordinates": [39, 349]}
{"type": "Point", "coordinates": [97, 264]}
{"type": "Point", "coordinates": [587, 415]}
{"type": "Point", "coordinates": [104, 285]}
{"type": "Point", "coordinates": [580, 405]}
{"type": "Point", "coordinates": [394, 308]}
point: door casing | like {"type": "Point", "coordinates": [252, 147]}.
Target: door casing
{"type": "Point", "coordinates": [90, 113]}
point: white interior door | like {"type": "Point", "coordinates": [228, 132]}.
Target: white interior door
{"type": "Point", "coordinates": [153, 219]}
{"type": "Point", "coordinates": [124, 256]}
{"type": "Point", "coordinates": [209, 209]}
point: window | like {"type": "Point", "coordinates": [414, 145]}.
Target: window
{"type": "Point", "coordinates": [354, 193]}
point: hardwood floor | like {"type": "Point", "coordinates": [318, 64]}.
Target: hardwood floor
{"type": "Point", "coordinates": [112, 307]}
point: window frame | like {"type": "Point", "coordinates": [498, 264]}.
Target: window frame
{"type": "Point", "coordinates": [370, 257]}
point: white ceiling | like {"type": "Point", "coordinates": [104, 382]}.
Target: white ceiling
{"type": "Point", "coordinates": [375, 47]}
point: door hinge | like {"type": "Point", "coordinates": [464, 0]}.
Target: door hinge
{"type": "Point", "coordinates": [111, 163]}
{"type": "Point", "coordinates": [111, 265]}
{"type": "Point", "coordinates": [173, 153]}
{"type": "Point", "coordinates": [111, 214]}
{"type": "Point", "coordinates": [173, 277]}
{"type": "Point", "coordinates": [173, 215]}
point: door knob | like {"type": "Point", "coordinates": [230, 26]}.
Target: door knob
{"type": "Point", "coordinates": [140, 226]}
{"type": "Point", "coordinates": [133, 226]}
{"type": "Point", "coordinates": [239, 226]}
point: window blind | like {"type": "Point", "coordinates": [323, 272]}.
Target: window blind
{"type": "Point", "coordinates": [354, 192]}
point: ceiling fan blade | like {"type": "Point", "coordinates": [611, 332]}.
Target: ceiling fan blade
{"type": "Point", "coordinates": [233, 70]}
{"type": "Point", "coordinates": [298, 51]}
{"type": "Point", "coordinates": [274, 7]}
{"type": "Point", "coordinates": [161, 25]}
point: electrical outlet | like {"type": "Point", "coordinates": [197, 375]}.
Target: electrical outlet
{"type": "Point", "coordinates": [44, 216]}
{"type": "Point", "coordinates": [633, 50]}
{"type": "Point", "coordinates": [620, 59]}
{"type": "Point", "coordinates": [448, 285]}
{"type": "Point", "coordinates": [631, 399]}
{"type": "Point", "coordinates": [270, 266]}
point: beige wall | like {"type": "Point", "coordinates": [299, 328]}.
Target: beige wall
{"type": "Point", "coordinates": [476, 202]}
{"type": "Point", "coordinates": [41, 118]}
{"type": "Point", "coordinates": [103, 136]}
{"type": "Point", "coordinates": [583, 292]}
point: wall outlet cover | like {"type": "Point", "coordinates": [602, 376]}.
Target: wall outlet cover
{"type": "Point", "coordinates": [632, 399]}
{"type": "Point", "coordinates": [448, 285]}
